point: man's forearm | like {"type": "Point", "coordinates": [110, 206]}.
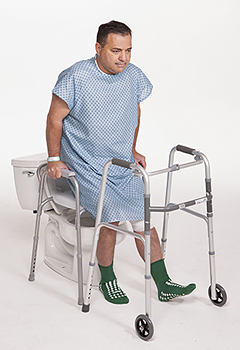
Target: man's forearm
{"type": "Point", "coordinates": [53, 136]}
{"type": "Point", "coordinates": [58, 111]}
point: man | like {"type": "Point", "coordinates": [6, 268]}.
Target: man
{"type": "Point", "coordinates": [95, 116]}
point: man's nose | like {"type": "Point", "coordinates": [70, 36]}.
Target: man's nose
{"type": "Point", "coordinates": [122, 56]}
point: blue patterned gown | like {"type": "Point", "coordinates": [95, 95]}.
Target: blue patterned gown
{"type": "Point", "coordinates": [101, 126]}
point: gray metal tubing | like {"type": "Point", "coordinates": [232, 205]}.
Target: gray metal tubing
{"type": "Point", "coordinates": [175, 167]}
{"type": "Point", "coordinates": [208, 220]}
{"type": "Point", "coordinates": [79, 241]}
{"type": "Point", "coordinates": [102, 192]}
{"type": "Point", "coordinates": [31, 277]}
{"type": "Point", "coordinates": [169, 188]}
{"type": "Point", "coordinates": [211, 249]}
{"type": "Point", "coordinates": [210, 228]}
{"type": "Point", "coordinates": [167, 200]}
{"type": "Point", "coordinates": [98, 225]}
{"type": "Point", "coordinates": [92, 261]}
{"type": "Point", "coordinates": [41, 204]}
{"type": "Point", "coordinates": [212, 259]}
{"type": "Point", "coordinates": [39, 169]}
{"type": "Point", "coordinates": [173, 207]}
{"type": "Point", "coordinates": [169, 170]}
{"type": "Point", "coordinates": [42, 177]}
{"type": "Point", "coordinates": [147, 233]}
{"type": "Point", "coordinates": [71, 176]}
{"type": "Point", "coordinates": [206, 163]}
{"type": "Point", "coordinates": [96, 236]}
{"type": "Point", "coordinates": [194, 213]}
{"type": "Point", "coordinates": [79, 257]}
{"type": "Point", "coordinates": [168, 194]}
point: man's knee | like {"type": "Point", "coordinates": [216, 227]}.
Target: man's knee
{"type": "Point", "coordinates": [108, 232]}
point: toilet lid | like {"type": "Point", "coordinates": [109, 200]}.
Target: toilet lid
{"type": "Point", "coordinates": [32, 161]}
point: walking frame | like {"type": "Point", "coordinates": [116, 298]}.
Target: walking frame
{"type": "Point", "coordinates": [143, 324]}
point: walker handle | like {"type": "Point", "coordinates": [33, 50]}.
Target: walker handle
{"type": "Point", "coordinates": [185, 149]}
{"type": "Point", "coordinates": [67, 173]}
{"type": "Point", "coordinates": [122, 163]}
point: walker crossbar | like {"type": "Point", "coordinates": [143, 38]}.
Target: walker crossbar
{"type": "Point", "coordinates": [173, 207]}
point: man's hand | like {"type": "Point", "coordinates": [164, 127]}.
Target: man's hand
{"type": "Point", "coordinates": [54, 169]}
{"type": "Point", "coordinates": [139, 159]}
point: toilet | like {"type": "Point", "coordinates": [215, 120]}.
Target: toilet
{"type": "Point", "coordinates": [60, 233]}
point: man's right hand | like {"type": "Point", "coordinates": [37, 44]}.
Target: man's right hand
{"type": "Point", "coordinates": [54, 169]}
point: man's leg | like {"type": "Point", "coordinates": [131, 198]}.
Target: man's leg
{"type": "Point", "coordinates": [167, 289]}
{"type": "Point", "coordinates": [106, 245]}
{"type": "Point", "coordinates": [105, 254]}
{"type": "Point", "coordinates": [156, 252]}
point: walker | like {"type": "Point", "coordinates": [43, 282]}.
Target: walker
{"type": "Point", "coordinates": [217, 294]}
{"type": "Point", "coordinates": [143, 324]}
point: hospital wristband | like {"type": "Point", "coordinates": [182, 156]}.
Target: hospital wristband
{"type": "Point", "coordinates": [53, 159]}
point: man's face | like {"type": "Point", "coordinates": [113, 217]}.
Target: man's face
{"type": "Point", "coordinates": [114, 57]}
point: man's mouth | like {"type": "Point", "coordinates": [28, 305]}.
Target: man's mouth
{"type": "Point", "coordinates": [121, 64]}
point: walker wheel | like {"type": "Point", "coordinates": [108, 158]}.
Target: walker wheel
{"type": "Point", "coordinates": [144, 327]}
{"type": "Point", "coordinates": [221, 295]}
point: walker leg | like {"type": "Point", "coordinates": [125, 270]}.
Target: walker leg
{"type": "Point", "coordinates": [37, 226]}
{"type": "Point", "coordinates": [167, 201]}
{"type": "Point", "coordinates": [92, 263]}
{"type": "Point", "coordinates": [210, 239]}
{"type": "Point", "coordinates": [147, 252]}
{"type": "Point", "coordinates": [216, 292]}
{"type": "Point", "coordinates": [79, 257]}
{"type": "Point", "coordinates": [35, 246]}
{"type": "Point", "coordinates": [143, 324]}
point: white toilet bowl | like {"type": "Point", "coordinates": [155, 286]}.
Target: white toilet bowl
{"type": "Point", "coordinates": [60, 232]}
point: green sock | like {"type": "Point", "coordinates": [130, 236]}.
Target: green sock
{"type": "Point", "coordinates": [109, 288]}
{"type": "Point", "coordinates": [167, 289]}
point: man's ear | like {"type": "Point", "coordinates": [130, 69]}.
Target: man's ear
{"type": "Point", "coordinates": [98, 48]}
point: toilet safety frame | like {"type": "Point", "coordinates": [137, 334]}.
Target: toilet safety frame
{"type": "Point", "coordinates": [143, 324]}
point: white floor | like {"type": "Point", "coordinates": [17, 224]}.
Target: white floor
{"type": "Point", "coordinates": [44, 314]}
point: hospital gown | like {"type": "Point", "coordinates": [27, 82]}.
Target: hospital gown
{"type": "Point", "coordinates": [101, 126]}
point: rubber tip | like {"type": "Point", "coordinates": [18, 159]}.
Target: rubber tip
{"type": "Point", "coordinates": [85, 308]}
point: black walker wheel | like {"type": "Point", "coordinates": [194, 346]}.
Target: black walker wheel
{"type": "Point", "coordinates": [221, 295]}
{"type": "Point", "coordinates": [144, 327]}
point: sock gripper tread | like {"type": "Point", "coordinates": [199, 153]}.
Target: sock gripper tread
{"type": "Point", "coordinates": [171, 290]}
{"type": "Point", "coordinates": [108, 286]}
{"type": "Point", "coordinates": [113, 293]}
{"type": "Point", "coordinates": [167, 289]}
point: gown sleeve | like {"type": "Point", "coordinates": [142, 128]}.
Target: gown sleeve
{"type": "Point", "coordinates": [65, 87]}
{"type": "Point", "coordinates": [144, 86]}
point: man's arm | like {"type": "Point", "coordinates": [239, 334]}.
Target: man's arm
{"type": "Point", "coordinates": [139, 158]}
{"type": "Point", "coordinates": [57, 112]}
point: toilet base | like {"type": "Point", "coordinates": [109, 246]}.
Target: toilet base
{"type": "Point", "coordinates": [61, 247]}
{"type": "Point", "coordinates": [61, 244]}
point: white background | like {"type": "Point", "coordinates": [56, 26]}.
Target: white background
{"type": "Point", "coordinates": [189, 50]}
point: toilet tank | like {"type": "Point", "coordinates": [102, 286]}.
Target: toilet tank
{"type": "Point", "coordinates": [26, 180]}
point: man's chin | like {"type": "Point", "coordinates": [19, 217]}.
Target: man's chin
{"type": "Point", "coordinates": [120, 67]}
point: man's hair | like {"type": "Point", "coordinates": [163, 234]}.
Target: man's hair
{"type": "Point", "coordinates": [111, 27]}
